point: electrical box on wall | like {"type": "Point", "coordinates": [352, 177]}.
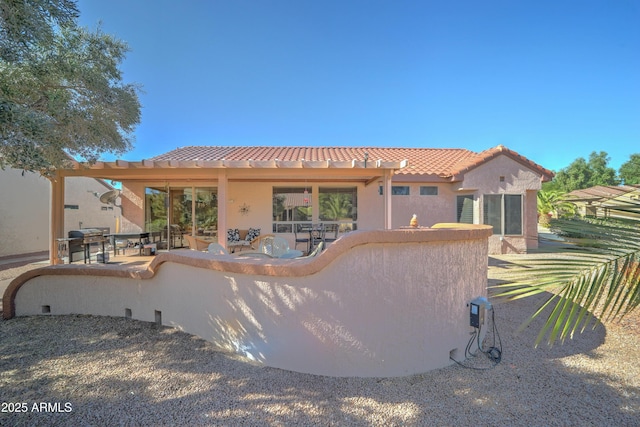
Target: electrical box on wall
{"type": "Point", "coordinates": [477, 308]}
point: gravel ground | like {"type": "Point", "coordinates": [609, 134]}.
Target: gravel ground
{"type": "Point", "coordinates": [84, 370]}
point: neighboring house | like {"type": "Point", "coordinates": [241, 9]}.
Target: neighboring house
{"type": "Point", "coordinates": [25, 202]}
{"type": "Point", "coordinates": [200, 190]}
{"type": "Point", "coordinates": [604, 201]}
{"type": "Point", "coordinates": [24, 212]}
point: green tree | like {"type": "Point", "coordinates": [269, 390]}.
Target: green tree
{"type": "Point", "coordinates": [582, 174]}
{"type": "Point", "coordinates": [25, 24]}
{"type": "Point", "coordinates": [601, 173]}
{"type": "Point", "coordinates": [630, 170]}
{"type": "Point", "coordinates": [61, 90]}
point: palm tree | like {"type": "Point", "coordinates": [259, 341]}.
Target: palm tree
{"type": "Point", "coordinates": [598, 278]}
{"type": "Point", "coordinates": [550, 202]}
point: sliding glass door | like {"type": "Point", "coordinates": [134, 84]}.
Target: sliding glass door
{"type": "Point", "coordinates": [188, 210]}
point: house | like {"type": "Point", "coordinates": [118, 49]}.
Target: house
{"type": "Point", "coordinates": [24, 210]}
{"type": "Point", "coordinates": [607, 201]}
{"type": "Point", "coordinates": [202, 190]}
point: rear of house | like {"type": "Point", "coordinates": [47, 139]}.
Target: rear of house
{"type": "Point", "coordinates": [278, 189]}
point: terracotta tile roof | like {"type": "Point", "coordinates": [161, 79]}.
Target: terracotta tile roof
{"type": "Point", "coordinates": [445, 163]}
{"type": "Point", "coordinates": [494, 152]}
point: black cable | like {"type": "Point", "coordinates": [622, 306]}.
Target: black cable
{"type": "Point", "coordinates": [493, 353]}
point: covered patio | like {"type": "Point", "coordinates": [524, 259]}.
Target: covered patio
{"type": "Point", "coordinates": [225, 184]}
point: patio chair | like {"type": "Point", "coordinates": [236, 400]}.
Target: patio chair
{"type": "Point", "coordinates": [331, 233]}
{"type": "Point", "coordinates": [216, 249]}
{"type": "Point", "coordinates": [196, 244]}
{"type": "Point", "coordinates": [241, 239]}
{"type": "Point", "coordinates": [316, 251]}
{"type": "Point", "coordinates": [297, 229]}
{"type": "Point", "coordinates": [274, 246]}
{"type": "Point", "coordinates": [317, 234]}
{"type": "Point", "coordinates": [255, 243]}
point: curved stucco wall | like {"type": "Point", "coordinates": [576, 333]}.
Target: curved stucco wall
{"type": "Point", "coordinates": [376, 303]}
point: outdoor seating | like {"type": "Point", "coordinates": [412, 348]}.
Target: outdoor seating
{"type": "Point", "coordinates": [317, 234]}
{"type": "Point", "coordinates": [273, 245]}
{"type": "Point", "coordinates": [196, 244]}
{"type": "Point", "coordinates": [331, 233]}
{"type": "Point", "coordinates": [216, 249]}
{"type": "Point", "coordinates": [316, 251]}
{"type": "Point", "coordinates": [241, 239]}
{"type": "Point", "coordinates": [302, 238]}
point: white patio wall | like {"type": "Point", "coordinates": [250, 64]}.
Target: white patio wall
{"type": "Point", "coordinates": [376, 303]}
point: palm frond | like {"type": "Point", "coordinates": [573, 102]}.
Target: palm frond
{"type": "Point", "coordinates": [596, 277]}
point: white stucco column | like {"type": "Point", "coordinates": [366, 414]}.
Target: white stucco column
{"type": "Point", "coordinates": [388, 175]}
{"type": "Point", "coordinates": [56, 225]}
{"type": "Point", "coordinates": [222, 207]}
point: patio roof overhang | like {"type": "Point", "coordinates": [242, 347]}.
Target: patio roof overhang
{"type": "Point", "coordinates": [264, 170]}
{"type": "Point", "coordinates": [222, 172]}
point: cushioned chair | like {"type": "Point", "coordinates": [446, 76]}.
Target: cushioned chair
{"type": "Point", "coordinates": [241, 239]}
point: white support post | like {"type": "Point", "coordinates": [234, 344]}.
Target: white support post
{"type": "Point", "coordinates": [388, 175]}
{"type": "Point", "coordinates": [222, 207]}
{"type": "Point", "coordinates": [56, 225]}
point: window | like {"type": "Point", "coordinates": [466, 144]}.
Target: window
{"type": "Point", "coordinates": [156, 203]}
{"type": "Point", "coordinates": [464, 209]}
{"type": "Point", "coordinates": [504, 213]}
{"type": "Point", "coordinates": [428, 190]}
{"type": "Point", "coordinates": [400, 190]}
{"type": "Point", "coordinates": [339, 205]}
{"type": "Point", "coordinates": [290, 205]}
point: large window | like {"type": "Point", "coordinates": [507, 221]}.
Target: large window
{"type": "Point", "coordinates": [339, 205]}
{"type": "Point", "coordinates": [331, 205]}
{"type": "Point", "coordinates": [504, 213]}
{"type": "Point", "coordinates": [290, 205]}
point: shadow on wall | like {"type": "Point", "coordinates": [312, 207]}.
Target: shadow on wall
{"type": "Point", "coordinates": [376, 303]}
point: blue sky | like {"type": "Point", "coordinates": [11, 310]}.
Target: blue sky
{"type": "Point", "coordinates": [552, 80]}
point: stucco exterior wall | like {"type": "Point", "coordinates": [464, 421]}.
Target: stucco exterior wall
{"type": "Point", "coordinates": [503, 175]}
{"type": "Point", "coordinates": [259, 197]}
{"type": "Point", "coordinates": [383, 303]}
{"type": "Point", "coordinates": [91, 212]}
{"type": "Point", "coordinates": [24, 212]}
{"type": "Point", "coordinates": [429, 209]}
